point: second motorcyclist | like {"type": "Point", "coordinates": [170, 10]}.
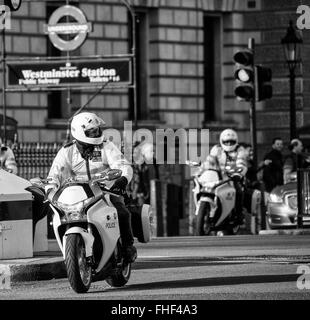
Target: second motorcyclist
{"type": "Point", "coordinates": [228, 153]}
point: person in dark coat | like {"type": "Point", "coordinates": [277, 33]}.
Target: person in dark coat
{"type": "Point", "coordinates": [290, 163]}
{"type": "Point", "coordinates": [273, 173]}
{"type": "Point", "coordinates": [252, 181]}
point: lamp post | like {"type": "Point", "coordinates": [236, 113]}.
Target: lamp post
{"type": "Point", "coordinates": [291, 46]}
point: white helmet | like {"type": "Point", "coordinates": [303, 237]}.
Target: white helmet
{"type": "Point", "coordinates": [228, 140]}
{"type": "Point", "coordinates": [86, 127]}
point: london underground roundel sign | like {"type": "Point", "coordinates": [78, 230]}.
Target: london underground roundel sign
{"type": "Point", "coordinates": [55, 28]}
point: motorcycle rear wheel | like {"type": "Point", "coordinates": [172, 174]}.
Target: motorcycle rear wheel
{"type": "Point", "coordinates": [122, 273]}
{"type": "Point", "coordinates": [78, 271]}
{"type": "Point", "coordinates": [203, 227]}
{"type": "Point", "coordinates": [121, 277]}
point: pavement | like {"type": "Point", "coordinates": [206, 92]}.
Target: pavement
{"type": "Point", "coordinates": [50, 264]}
{"type": "Point", "coordinates": [293, 232]}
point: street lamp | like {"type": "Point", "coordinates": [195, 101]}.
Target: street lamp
{"type": "Point", "coordinates": [291, 45]}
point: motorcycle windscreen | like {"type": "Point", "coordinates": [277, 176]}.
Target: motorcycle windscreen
{"type": "Point", "coordinates": [209, 176]}
{"type": "Point", "coordinates": [72, 195]}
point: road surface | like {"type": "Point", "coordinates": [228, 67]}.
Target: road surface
{"type": "Point", "coordinates": [198, 268]}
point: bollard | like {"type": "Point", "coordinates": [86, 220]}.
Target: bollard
{"type": "Point", "coordinates": [174, 207]}
{"type": "Point", "coordinates": [156, 203]}
{"type": "Point", "coordinates": [263, 208]}
{"type": "Point", "coordinates": [191, 209]}
{"type": "Point", "coordinates": [301, 194]}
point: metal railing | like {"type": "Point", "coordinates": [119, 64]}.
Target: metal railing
{"type": "Point", "coordinates": [34, 159]}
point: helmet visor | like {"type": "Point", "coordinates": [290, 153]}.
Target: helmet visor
{"type": "Point", "coordinates": [229, 142]}
{"type": "Point", "coordinates": [93, 132]}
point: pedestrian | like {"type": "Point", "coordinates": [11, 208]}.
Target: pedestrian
{"type": "Point", "coordinates": [252, 179]}
{"type": "Point", "coordinates": [290, 162]}
{"type": "Point", "coordinates": [143, 156]}
{"type": "Point", "coordinates": [252, 182]}
{"type": "Point", "coordinates": [273, 172]}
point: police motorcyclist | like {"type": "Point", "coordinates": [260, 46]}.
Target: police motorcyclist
{"type": "Point", "coordinates": [89, 154]}
{"type": "Point", "coordinates": [228, 153]}
{"type": "Point", "coordinates": [7, 159]}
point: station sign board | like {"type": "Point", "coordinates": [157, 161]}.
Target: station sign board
{"type": "Point", "coordinates": [79, 73]}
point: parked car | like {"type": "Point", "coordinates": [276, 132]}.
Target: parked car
{"type": "Point", "coordinates": [282, 207]}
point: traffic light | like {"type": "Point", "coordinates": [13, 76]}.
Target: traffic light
{"type": "Point", "coordinates": [263, 83]}
{"type": "Point", "coordinates": [244, 75]}
{"type": "Point", "coordinates": [14, 5]}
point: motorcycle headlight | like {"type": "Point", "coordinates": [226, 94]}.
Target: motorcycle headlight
{"type": "Point", "coordinates": [73, 211]}
{"type": "Point", "coordinates": [275, 198]}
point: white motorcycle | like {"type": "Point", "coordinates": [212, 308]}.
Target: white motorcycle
{"type": "Point", "coordinates": [87, 230]}
{"type": "Point", "coordinates": [215, 202]}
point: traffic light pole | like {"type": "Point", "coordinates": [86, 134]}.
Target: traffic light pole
{"type": "Point", "coordinates": [252, 111]}
{"type": "Point", "coordinates": [3, 131]}
{"type": "Point", "coordinates": [292, 105]}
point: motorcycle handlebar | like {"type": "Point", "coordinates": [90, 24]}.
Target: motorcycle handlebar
{"type": "Point", "coordinates": [110, 192]}
{"type": "Point", "coordinates": [222, 182]}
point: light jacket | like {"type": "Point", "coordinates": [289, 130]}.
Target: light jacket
{"type": "Point", "coordinates": [218, 159]}
{"type": "Point", "coordinates": [7, 159]}
{"type": "Point", "coordinates": [69, 163]}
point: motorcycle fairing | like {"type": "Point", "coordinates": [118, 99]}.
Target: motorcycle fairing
{"type": "Point", "coordinates": [105, 219]}
{"type": "Point", "coordinates": [227, 196]}
{"type": "Point", "coordinates": [56, 224]}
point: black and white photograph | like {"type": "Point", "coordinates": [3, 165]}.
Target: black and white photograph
{"type": "Point", "coordinates": [155, 154]}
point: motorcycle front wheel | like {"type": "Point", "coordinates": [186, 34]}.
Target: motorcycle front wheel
{"type": "Point", "coordinates": [78, 270]}
{"type": "Point", "coordinates": [203, 227]}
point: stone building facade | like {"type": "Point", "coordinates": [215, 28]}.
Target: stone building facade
{"type": "Point", "coordinates": [185, 65]}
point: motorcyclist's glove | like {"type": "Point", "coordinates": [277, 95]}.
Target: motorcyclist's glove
{"type": "Point", "coordinates": [120, 184]}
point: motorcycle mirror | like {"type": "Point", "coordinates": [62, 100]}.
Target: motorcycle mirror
{"type": "Point", "coordinates": [192, 163]}
{"type": "Point", "coordinates": [114, 174]}
{"type": "Point", "coordinates": [100, 175]}
{"type": "Point", "coordinates": [35, 180]}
